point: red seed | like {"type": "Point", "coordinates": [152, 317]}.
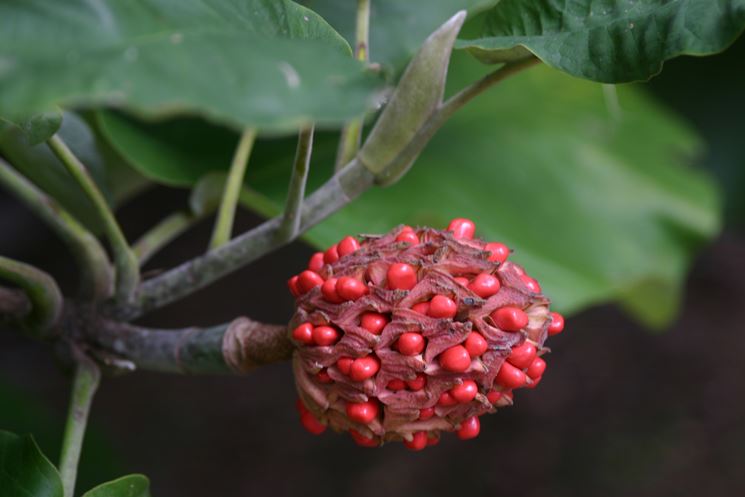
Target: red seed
{"type": "Point", "coordinates": [410, 344]}
{"type": "Point", "coordinates": [426, 413]}
{"type": "Point", "coordinates": [455, 359]}
{"type": "Point", "coordinates": [510, 318]}
{"type": "Point", "coordinates": [362, 412]}
{"type": "Point", "coordinates": [311, 424]}
{"type": "Point", "coordinates": [347, 246]}
{"type": "Point", "coordinates": [316, 262]}
{"type": "Point", "coordinates": [364, 368]}
{"type": "Point", "coordinates": [362, 440]}
{"type": "Point", "coordinates": [462, 228]}
{"type": "Point", "coordinates": [331, 255]}
{"type": "Point", "coordinates": [493, 396]}
{"type": "Point", "coordinates": [323, 376]}
{"type": "Point", "coordinates": [446, 400]}
{"type": "Point", "coordinates": [485, 285]}
{"type": "Point", "coordinates": [325, 335]}
{"type": "Point", "coordinates": [350, 288]}
{"type": "Point", "coordinates": [532, 284]}
{"type": "Point", "coordinates": [557, 324]}
{"type": "Point", "coordinates": [374, 322]}
{"type": "Point", "coordinates": [417, 383]}
{"type": "Point", "coordinates": [396, 385]}
{"type": "Point", "coordinates": [536, 369]}
{"type": "Point", "coordinates": [475, 344]}
{"type": "Point", "coordinates": [442, 307]}
{"type": "Point", "coordinates": [465, 392]}
{"type": "Point", "coordinates": [408, 237]}
{"type": "Point", "coordinates": [433, 441]}
{"type": "Point", "coordinates": [510, 377]}
{"type": "Point", "coordinates": [462, 281]}
{"type": "Point", "coordinates": [308, 280]}
{"type": "Point", "coordinates": [421, 308]}
{"type": "Point", "coordinates": [303, 334]}
{"type": "Point", "coordinates": [292, 285]}
{"type": "Point", "coordinates": [401, 276]}
{"type": "Point", "coordinates": [344, 364]}
{"type": "Point", "coordinates": [499, 251]}
{"type": "Point", "coordinates": [417, 442]}
{"type": "Point", "coordinates": [535, 383]}
{"type": "Point", "coordinates": [522, 355]}
{"type": "Point", "coordinates": [469, 428]}
{"type": "Point", "coordinates": [328, 290]}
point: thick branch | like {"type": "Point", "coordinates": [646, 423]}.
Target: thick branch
{"type": "Point", "coordinates": [234, 347]}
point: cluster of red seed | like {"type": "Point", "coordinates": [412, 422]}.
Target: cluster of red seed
{"type": "Point", "coordinates": [406, 335]}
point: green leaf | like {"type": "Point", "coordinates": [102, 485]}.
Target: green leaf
{"type": "Point", "coordinates": [397, 29]}
{"type": "Point", "coordinates": [266, 63]}
{"type": "Point", "coordinates": [126, 486]}
{"type": "Point", "coordinates": [611, 41]}
{"type": "Point", "coordinates": [24, 470]}
{"type": "Point", "coordinates": [37, 128]}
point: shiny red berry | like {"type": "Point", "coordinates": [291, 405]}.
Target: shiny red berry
{"type": "Point", "coordinates": [493, 396]}
{"type": "Point", "coordinates": [499, 251]}
{"type": "Point", "coordinates": [401, 276]}
{"type": "Point", "coordinates": [331, 255]}
{"type": "Point", "coordinates": [410, 344]}
{"type": "Point", "coordinates": [463, 229]}
{"type": "Point", "coordinates": [362, 412]}
{"type": "Point", "coordinates": [510, 377]}
{"type": "Point", "coordinates": [316, 262]}
{"type": "Point", "coordinates": [455, 359]}
{"type": "Point", "coordinates": [535, 382]}
{"type": "Point", "coordinates": [328, 290]}
{"type": "Point", "coordinates": [485, 285]}
{"type": "Point", "coordinates": [347, 246]}
{"type": "Point", "coordinates": [364, 368]}
{"type": "Point", "coordinates": [362, 440]}
{"type": "Point", "coordinates": [325, 335]}
{"type": "Point", "coordinates": [469, 428]}
{"type": "Point", "coordinates": [465, 392]}
{"type": "Point", "coordinates": [536, 369]}
{"type": "Point", "coordinates": [344, 364]}
{"type": "Point", "coordinates": [349, 288]}
{"type": "Point", "coordinates": [426, 413]}
{"type": "Point", "coordinates": [417, 383]}
{"type": "Point", "coordinates": [323, 376]}
{"type": "Point", "coordinates": [292, 285]}
{"type": "Point", "coordinates": [442, 307]}
{"type": "Point", "coordinates": [374, 322]}
{"type": "Point", "coordinates": [462, 281]}
{"type": "Point", "coordinates": [421, 308]}
{"type": "Point", "coordinates": [557, 323]}
{"type": "Point", "coordinates": [396, 385]}
{"type": "Point", "coordinates": [408, 236]}
{"type": "Point", "coordinates": [308, 280]}
{"type": "Point", "coordinates": [446, 400]}
{"type": "Point", "coordinates": [510, 318]}
{"type": "Point", "coordinates": [417, 442]}
{"type": "Point", "coordinates": [532, 284]}
{"type": "Point", "coordinates": [475, 344]}
{"type": "Point", "coordinates": [311, 424]}
{"type": "Point", "coordinates": [522, 355]}
{"type": "Point", "coordinates": [303, 334]}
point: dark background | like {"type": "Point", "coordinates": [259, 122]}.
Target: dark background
{"type": "Point", "coordinates": [622, 411]}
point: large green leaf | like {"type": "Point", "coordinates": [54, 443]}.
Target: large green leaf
{"type": "Point", "coordinates": [126, 486]}
{"type": "Point", "coordinates": [24, 471]}
{"type": "Point", "coordinates": [38, 127]}
{"type": "Point", "coordinates": [598, 205]}
{"type": "Point", "coordinates": [266, 63]}
{"type": "Point", "coordinates": [611, 41]}
{"type": "Point", "coordinates": [397, 28]}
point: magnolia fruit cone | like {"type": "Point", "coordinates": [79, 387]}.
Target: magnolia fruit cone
{"type": "Point", "coordinates": [403, 336]}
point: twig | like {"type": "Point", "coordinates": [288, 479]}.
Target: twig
{"type": "Point", "coordinates": [162, 234]}
{"type": "Point", "coordinates": [351, 133]}
{"type": "Point", "coordinates": [127, 268]}
{"type": "Point", "coordinates": [87, 377]}
{"type": "Point", "coordinates": [41, 290]}
{"type": "Point", "coordinates": [234, 347]}
{"type": "Point", "coordinates": [95, 269]}
{"type": "Point", "coordinates": [226, 213]}
{"type": "Point", "coordinates": [296, 191]}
